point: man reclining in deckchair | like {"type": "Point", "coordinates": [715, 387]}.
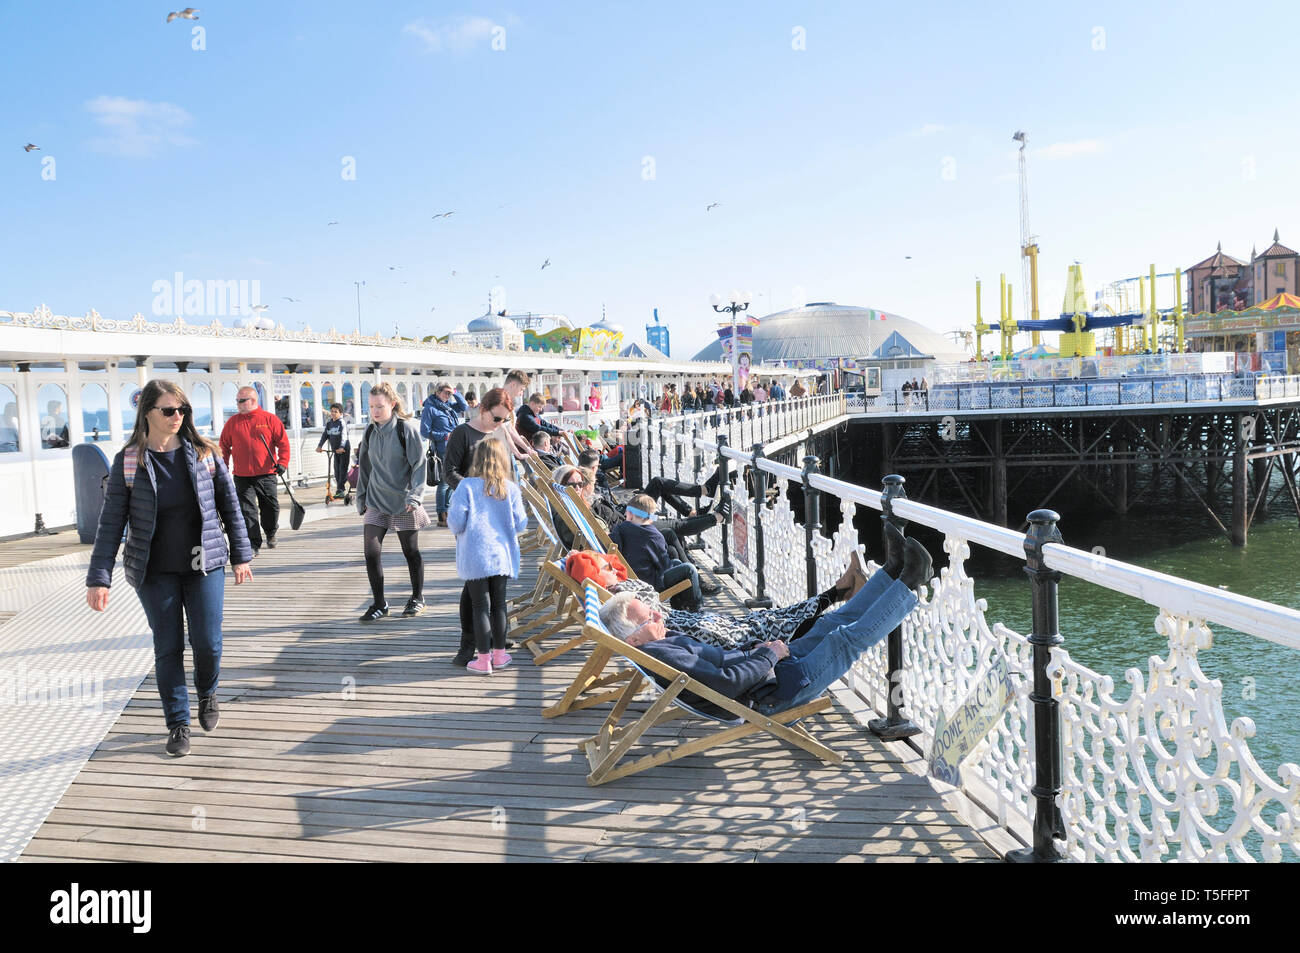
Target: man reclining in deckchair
{"type": "Point", "coordinates": [774, 675]}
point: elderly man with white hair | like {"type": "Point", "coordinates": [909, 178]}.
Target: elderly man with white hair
{"type": "Point", "coordinates": [774, 675]}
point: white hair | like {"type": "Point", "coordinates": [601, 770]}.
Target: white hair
{"type": "Point", "coordinates": [613, 614]}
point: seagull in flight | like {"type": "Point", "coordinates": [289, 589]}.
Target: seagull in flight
{"type": "Point", "coordinates": [331, 223]}
{"type": "Point", "coordinates": [545, 263]}
{"type": "Point", "coordinates": [444, 214]}
{"type": "Point", "coordinates": [394, 267]}
{"type": "Point", "coordinates": [30, 147]}
{"type": "Point", "coordinates": [710, 208]}
{"type": "Point", "coordinates": [293, 300]}
{"type": "Point", "coordinates": [908, 257]}
{"type": "Point", "coordinates": [453, 274]}
{"type": "Point", "coordinates": [189, 13]}
{"type": "Point", "coordinates": [259, 308]}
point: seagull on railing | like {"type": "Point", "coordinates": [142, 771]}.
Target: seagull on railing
{"type": "Point", "coordinates": [189, 13]}
{"type": "Point", "coordinates": [31, 147]}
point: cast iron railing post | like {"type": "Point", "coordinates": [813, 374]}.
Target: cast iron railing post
{"type": "Point", "coordinates": [677, 451]}
{"type": "Point", "coordinates": [725, 568]}
{"type": "Point", "coordinates": [663, 451]}
{"type": "Point", "coordinates": [1048, 826]}
{"type": "Point", "coordinates": [760, 600]}
{"type": "Point", "coordinates": [812, 519]}
{"type": "Point", "coordinates": [894, 725]}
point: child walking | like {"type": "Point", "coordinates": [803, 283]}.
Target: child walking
{"type": "Point", "coordinates": [487, 515]}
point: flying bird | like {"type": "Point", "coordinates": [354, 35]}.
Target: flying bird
{"type": "Point", "coordinates": [189, 13]}
{"type": "Point", "coordinates": [710, 208]}
{"type": "Point", "coordinates": [331, 223]}
{"type": "Point", "coordinates": [294, 300]}
{"type": "Point", "coordinates": [259, 308]}
{"type": "Point", "coordinates": [908, 257]}
{"type": "Point", "coordinates": [453, 274]}
{"type": "Point", "coordinates": [444, 214]}
{"type": "Point", "coordinates": [545, 263]}
{"type": "Point", "coordinates": [31, 147]}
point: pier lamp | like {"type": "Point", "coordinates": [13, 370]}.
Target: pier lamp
{"type": "Point", "coordinates": [739, 302]}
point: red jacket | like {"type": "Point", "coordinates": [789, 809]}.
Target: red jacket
{"type": "Point", "coordinates": [242, 436]}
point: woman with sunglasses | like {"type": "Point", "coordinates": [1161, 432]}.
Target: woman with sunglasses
{"type": "Point", "coordinates": [492, 412]}
{"type": "Point", "coordinates": [173, 496]}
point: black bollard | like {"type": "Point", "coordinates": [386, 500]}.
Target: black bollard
{"type": "Point", "coordinates": [1048, 825]}
{"type": "Point", "coordinates": [725, 568]}
{"type": "Point", "coordinates": [812, 522]}
{"type": "Point", "coordinates": [894, 725]}
{"type": "Point", "coordinates": [760, 600]}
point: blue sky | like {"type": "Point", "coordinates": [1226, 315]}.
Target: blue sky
{"type": "Point", "coordinates": [1155, 133]}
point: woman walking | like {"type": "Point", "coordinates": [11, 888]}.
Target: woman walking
{"type": "Point", "coordinates": [487, 515]}
{"type": "Point", "coordinates": [493, 411]}
{"type": "Point", "coordinates": [441, 414]}
{"type": "Point", "coordinates": [173, 496]}
{"type": "Point", "coordinates": [390, 495]}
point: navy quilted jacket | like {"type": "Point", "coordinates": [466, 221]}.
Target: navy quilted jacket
{"type": "Point", "coordinates": [135, 510]}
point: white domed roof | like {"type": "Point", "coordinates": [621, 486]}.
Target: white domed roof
{"type": "Point", "coordinates": [824, 329]}
{"type": "Point", "coordinates": [491, 322]}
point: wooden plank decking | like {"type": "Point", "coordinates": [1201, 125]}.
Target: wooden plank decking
{"type": "Point", "coordinates": [344, 742]}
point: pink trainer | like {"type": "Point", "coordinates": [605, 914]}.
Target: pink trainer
{"type": "Point", "coordinates": [500, 658]}
{"type": "Point", "coordinates": [482, 664]}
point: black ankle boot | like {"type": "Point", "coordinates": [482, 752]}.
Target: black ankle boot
{"type": "Point", "coordinates": [466, 653]}
{"type": "Point", "coordinates": [894, 548]}
{"type": "Point", "coordinates": [918, 568]}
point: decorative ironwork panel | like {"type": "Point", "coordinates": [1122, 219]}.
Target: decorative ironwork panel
{"type": "Point", "coordinates": [1161, 775]}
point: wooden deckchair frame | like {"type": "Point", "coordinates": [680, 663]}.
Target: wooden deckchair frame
{"type": "Point", "coordinates": [607, 749]}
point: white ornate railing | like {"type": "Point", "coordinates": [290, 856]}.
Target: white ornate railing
{"type": "Point", "coordinates": [1156, 775]}
{"type": "Point", "coordinates": [1206, 388]}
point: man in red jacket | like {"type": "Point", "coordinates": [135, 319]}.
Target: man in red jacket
{"type": "Point", "coordinates": [250, 436]}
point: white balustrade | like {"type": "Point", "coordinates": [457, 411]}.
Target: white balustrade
{"type": "Point", "coordinates": [1156, 775]}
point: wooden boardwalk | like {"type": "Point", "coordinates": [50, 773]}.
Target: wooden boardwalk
{"type": "Point", "coordinates": [345, 742]}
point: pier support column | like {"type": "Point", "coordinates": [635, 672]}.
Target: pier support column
{"type": "Point", "coordinates": [1240, 449]}
{"type": "Point", "coordinates": [1260, 475]}
{"type": "Point", "coordinates": [1121, 478]}
{"type": "Point", "coordinates": [998, 487]}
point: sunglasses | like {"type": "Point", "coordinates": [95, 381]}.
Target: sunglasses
{"type": "Point", "coordinates": [245, 400]}
{"type": "Point", "coordinates": [500, 419]}
{"type": "Point", "coordinates": [172, 411]}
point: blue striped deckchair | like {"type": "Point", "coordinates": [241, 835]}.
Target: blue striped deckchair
{"type": "Point", "coordinates": [680, 697]}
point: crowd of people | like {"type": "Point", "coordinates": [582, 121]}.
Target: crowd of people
{"type": "Point", "coordinates": [188, 507]}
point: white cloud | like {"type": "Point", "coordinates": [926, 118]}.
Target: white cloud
{"type": "Point", "coordinates": [1068, 150]}
{"type": "Point", "coordinates": [456, 34]}
{"type": "Point", "coordinates": [930, 129]}
{"type": "Point", "coordinates": [137, 128]}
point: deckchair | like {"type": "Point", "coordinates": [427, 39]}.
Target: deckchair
{"type": "Point", "coordinates": [607, 749]}
{"type": "Point", "coordinates": [565, 598]}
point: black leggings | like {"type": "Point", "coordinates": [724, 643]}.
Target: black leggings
{"type": "Point", "coordinates": [410, 540]}
{"type": "Point", "coordinates": [487, 599]}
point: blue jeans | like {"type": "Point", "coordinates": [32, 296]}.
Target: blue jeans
{"type": "Point", "coordinates": [835, 641]}
{"type": "Point", "coordinates": [169, 599]}
{"type": "Point", "coordinates": [689, 599]}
